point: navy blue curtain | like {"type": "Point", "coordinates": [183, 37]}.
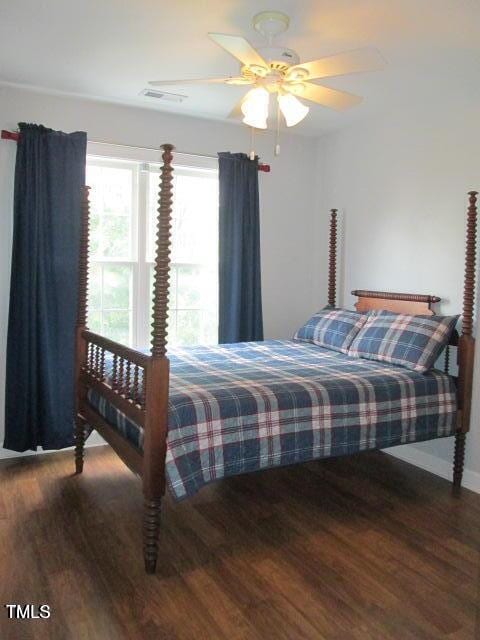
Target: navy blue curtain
{"type": "Point", "coordinates": [49, 174]}
{"type": "Point", "coordinates": [240, 295]}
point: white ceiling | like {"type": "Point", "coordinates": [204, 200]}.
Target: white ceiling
{"type": "Point", "coordinates": [109, 49]}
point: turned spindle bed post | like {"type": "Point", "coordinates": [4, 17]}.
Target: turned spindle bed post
{"type": "Point", "coordinates": [466, 343]}
{"type": "Point", "coordinates": [332, 259]}
{"type": "Point", "coordinates": [81, 325]}
{"type": "Point", "coordinates": [157, 373]}
{"type": "Point", "coordinates": [135, 384]}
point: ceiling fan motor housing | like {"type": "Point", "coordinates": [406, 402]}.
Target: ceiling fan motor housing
{"type": "Point", "coordinates": [279, 58]}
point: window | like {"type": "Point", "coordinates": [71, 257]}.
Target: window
{"type": "Point", "coordinates": [123, 203]}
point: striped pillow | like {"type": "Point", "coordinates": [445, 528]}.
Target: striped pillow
{"type": "Point", "coordinates": [332, 328]}
{"type": "Point", "coordinates": [414, 342]}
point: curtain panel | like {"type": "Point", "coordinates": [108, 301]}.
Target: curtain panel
{"type": "Point", "coordinates": [49, 174]}
{"type": "Point", "coordinates": [240, 296]}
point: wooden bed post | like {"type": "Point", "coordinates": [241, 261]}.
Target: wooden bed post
{"type": "Point", "coordinates": [81, 325]}
{"type": "Point", "coordinates": [157, 373]}
{"type": "Point", "coordinates": [332, 259]}
{"type": "Point", "coordinates": [466, 344]}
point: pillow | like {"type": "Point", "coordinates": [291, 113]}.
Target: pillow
{"type": "Point", "coordinates": [414, 342]}
{"type": "Point", "coordinates": [332, 328]}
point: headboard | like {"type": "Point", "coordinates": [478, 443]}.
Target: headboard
{"type": "Point", "coordinates": [410, 303]}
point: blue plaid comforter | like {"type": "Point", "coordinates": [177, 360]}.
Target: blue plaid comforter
{"type": "Point", "coordinates": [243, 407]}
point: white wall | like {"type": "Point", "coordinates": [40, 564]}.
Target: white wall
{"type": "Point", "coordinates": [401, 183]}
{"type": "Point", "coordinates": [287, 193]}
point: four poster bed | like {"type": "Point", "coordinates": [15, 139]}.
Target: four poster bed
{"type": "Point", "coordinates": [232, 409]}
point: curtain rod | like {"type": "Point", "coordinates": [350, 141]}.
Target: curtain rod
{"type": "Point", "coordinates": [261, 165]}
{"type": "Point", "coordinates": [130, 146]}
{"type": "Point", "coordinates": [14, 135]}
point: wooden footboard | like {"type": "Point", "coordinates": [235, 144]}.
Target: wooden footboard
{"type": "Point", "coordinates": [137, 385]}
{"type": "Point", "coordinates": [118, 373]}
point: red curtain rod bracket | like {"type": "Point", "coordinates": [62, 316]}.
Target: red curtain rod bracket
{"type": "Point", "coordinates": [264, 167]}
{"type": "Point", "coordinates": [10, 135]}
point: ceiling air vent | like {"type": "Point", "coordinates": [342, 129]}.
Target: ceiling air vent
{"type": "Point", "coordinates": [162, 95]}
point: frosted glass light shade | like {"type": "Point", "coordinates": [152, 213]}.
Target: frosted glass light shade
{"type": "Point", "coordinates": [255, 108]}
{"type": "Point", "coordinates": [293, 110]}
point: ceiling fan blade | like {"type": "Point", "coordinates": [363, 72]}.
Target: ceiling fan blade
{"type": "Point", "coordinates": [229, 80]}
{"type": "Point", "coordinates": [239, 48]}
{"type": "Point", "coordinates": [325, 96]}
{"type": "Point", "coordinates": [368, 59]}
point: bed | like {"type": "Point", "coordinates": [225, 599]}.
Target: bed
{"type": "Point", "coordinates": [205, 413]}
{"type": "Point", "coordinates": [244, 407]}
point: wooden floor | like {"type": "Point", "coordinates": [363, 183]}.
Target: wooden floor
{"type": "Point", "coordinates": [365, 547]}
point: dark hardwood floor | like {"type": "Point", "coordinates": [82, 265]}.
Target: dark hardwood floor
{"type": "Point", "coordinates": [365, 547]}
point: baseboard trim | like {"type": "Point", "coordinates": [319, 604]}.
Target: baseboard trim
{"type": "Point", "coordinates": [437, 466]}
{"type": "Point", "coordinates": [6, 454]}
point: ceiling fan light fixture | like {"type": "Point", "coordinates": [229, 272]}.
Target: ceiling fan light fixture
{"type": "Point", "coordinates": [255, 108]}
{"type": "Point", "coordinates": [293, 110]}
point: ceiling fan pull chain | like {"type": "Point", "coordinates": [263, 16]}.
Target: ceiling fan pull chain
{"type": "Point", "coordinates": [252, 152]}
{"type": "Point", "coordinates": [277, 138]}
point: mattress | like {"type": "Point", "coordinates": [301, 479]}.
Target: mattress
{"type": "Point", "coordinates": [243, 407]}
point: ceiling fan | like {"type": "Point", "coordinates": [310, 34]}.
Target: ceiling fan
{"type": "Point", "coordinates": [275, 69]}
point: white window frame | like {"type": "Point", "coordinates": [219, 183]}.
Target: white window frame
{"type": "Point", "coordinates": [110, 154]}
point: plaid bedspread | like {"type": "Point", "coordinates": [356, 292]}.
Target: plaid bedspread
{"type": "Point", "coordinates": [243, 407]}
